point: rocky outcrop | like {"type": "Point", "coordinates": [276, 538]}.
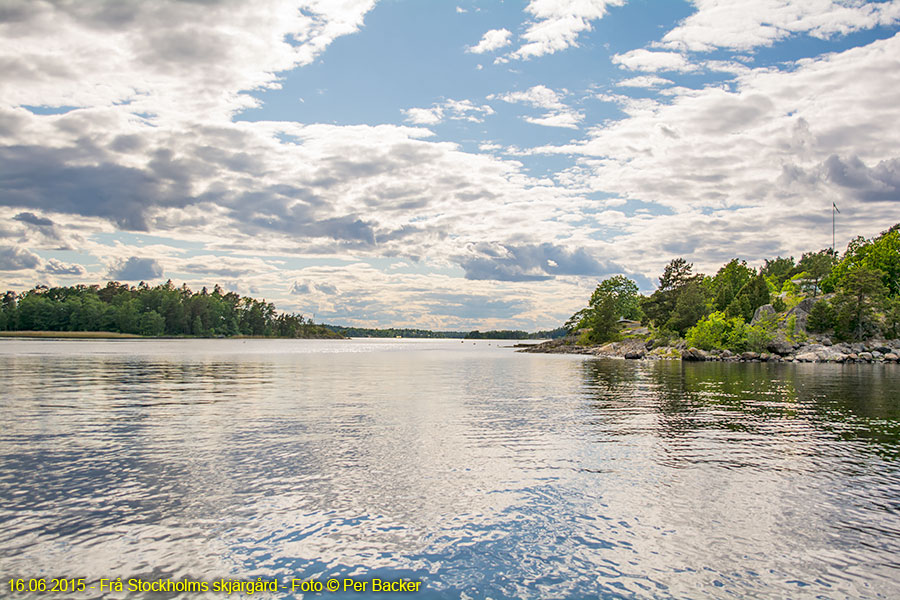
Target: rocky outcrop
{"type": "Point", "coordinates": [765, 311]}
{"type": "Point", "coordinates": [818, 349]}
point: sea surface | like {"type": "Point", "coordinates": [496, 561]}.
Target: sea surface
{"type": "Point", "coordinates": [474, 470]}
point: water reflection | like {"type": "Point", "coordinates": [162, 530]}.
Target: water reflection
{"type": "Point", "coordinates": [478, 471]}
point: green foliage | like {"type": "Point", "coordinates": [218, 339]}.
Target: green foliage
{"type": "Point", "coordinates": [624, 293]}
{"type": "Point", "coordinates": [792, 332]}
{"type": "Point", "coordinates": [666, 309]}
{"type": "Point", "coordinates": [690, 307]}
{"type": "Point", "coordinates": [777, 271]}
{"type": "Point", "coordinates": [161, 310]}
{"type": "Point", "coordinates": [614, 298]}
{"type": "Point", "coordinates": [778, 304]}
{"type": "Point", "coordinates": [602, 322]}
{"type": "Point", "coordinates": [729, 281]}
{"type": "Point", "coordinates": [892, 318]}
{"type": "Point", "coordinates": [719, 332]}
{"type": "Point", "coordinates": [821, 317]}
{"type": "Point", "coordinates": [861, 292]}
{"type": "Point", "coordinates": [815, 267]}
{"type": "Point", "coordinates": [881, 253]}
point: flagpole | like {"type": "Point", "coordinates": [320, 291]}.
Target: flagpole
{"type": "Point", "coordinates": [834, 209]}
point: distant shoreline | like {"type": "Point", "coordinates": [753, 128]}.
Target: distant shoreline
{"type": "Point", "coordinates": [113, 335]}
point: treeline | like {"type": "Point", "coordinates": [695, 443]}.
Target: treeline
{"type": "Point", "coordinates": [504, 334]}
{"type": "Point", "coordinates": [393, 332]}
{"type": "Point", "coordinates": [163, 310]}
{"type": "Point", "coordinates": [515, 334]}
{"type": "Point", "coordinates": [853, 296]}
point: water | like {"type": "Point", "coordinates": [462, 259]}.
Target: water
{"type": "Point", "coordinates": [480, 472]}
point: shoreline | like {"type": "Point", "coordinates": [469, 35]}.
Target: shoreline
{"type": "Point", "coordinates": [113, 335]}
{"type": "Point", "coordinates": [816, 351]}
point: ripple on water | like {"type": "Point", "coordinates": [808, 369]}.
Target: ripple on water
{"type": "Point", "coordinates": [483, 473]}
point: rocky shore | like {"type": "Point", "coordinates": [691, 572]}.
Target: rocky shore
{"type": "Point", "coordinates": [814, 350]}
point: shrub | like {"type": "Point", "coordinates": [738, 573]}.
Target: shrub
{"type": "Point", "coordinates": [779, 305]}
{"type": "Point", "coordinates": [821, 317]}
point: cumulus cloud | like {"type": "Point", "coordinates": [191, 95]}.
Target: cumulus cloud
{"type": "Point", "coordinates": [760, 162]}
{"type": "Point", "coordinates": [14, 258]}
{"type": "Point", "coordinates": [453, 110]}
{"type": "Point", "coordinates": [647, 60]}
{"type": "Point", "coordinates": [166, 57]}
{"type": "Point", "coordinates": [540, 96]}
{"type": "Point", "coordinates": [55, 267]}
{"type": "Point", "coordinates": [136, 269]}
{"type": "Point", "coordinates": [492, 40]}
{"type": "Point", "coordinates": [746, 24]}
{"type": "Point", "coordinates": [645, 81]}
{"type": "Point", "coordinates": [868, 184]}
{"type": "Point", "coordinates": [558, 23]}
{"type": "Point", "coordinates": [529, 262]}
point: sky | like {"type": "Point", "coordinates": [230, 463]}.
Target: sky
{"type": "Point", "coordinates": [444, 164]}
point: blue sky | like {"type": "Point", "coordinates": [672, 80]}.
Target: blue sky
{"type": "Point", "coordinates": [449, 165]}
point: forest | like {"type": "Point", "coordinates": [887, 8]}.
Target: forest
{"type": "Point", "coordinates": [163, 310]}
{"type": "Point", "coordinates": [852, 296]}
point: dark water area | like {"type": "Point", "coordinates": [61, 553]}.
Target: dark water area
{"type": "Point", "coordinates": [479, 472]}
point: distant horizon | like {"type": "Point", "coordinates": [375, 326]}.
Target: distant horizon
{"type": "Point", "coordinates": [438, 166]}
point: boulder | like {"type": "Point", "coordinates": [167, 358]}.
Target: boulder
{"type": "Point", "coordinates": [802, 316]}
{"type": "Point", "coordinates": [806, 304]}
{"type": "Point", "coordinates": [780, 346]}
{"type": "Point", "coordinates": [807, 357]}
{"type": "Point", "coordinates": [865, 356]}
{"type": "Point", "coordinates": [749, 355]}
{"type": "Point", "coordinates": [634, 355]}
{"type": "Point", "coordinates": [890, 356]}
{"type": "Point", "coordinates": [763, 312]}
{"type": "Point", "coordinates": [694, 355]}
{"type": "Point", "coordinates": [826, 341]}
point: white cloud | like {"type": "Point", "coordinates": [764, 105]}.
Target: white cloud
{"type": "Point", "coordinates": [646, 60]}
{"type": "Point", "coordinates": [166, 57]}
{"type": "Point", "coordinates": [455, 110]}
{"type": "Point", "coordinates": [557, 24]}
{"type": "Point", "coordinates": [424, 116]}
{"type": "Point", "coordinates": [645, 81]}
{"type": "Point", "coordinates": [746, 24]}
{"type": "Point", "coordinates": [491, 40]}
{"type": "Point", "coordinates": [540, 96]}
{"type": "Point", "coordinates": [755, 168]}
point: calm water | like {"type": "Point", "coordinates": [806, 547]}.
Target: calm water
{"type": "Point", "coordinates": [480, 472]}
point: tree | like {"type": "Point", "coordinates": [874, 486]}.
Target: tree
{"type": "Point", "coordinates": [817, 266]}
{"type": "Point", "coordinates": [777, 271]}
{"type": "Point", "coordinates": [861, 292]}
{"type": "Point", "coordinates": [729, 280]}
{"type": "Point", "coordinates": [659, 307]}
{"type": "Point", "coordinates": [603, 323]}
{"type": "Point", "coordinates": [821, 317]}
{"type": "Point", "coordinates": [614, 298]}
{"type": "Point", "coordinates": [152, 323]}
{"type": "Point", "coordinates": [675, 274]}
{"type": "Point", "coordinates": [690, 307]}
{"type": "Point", "coordinates": [881, 253]}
